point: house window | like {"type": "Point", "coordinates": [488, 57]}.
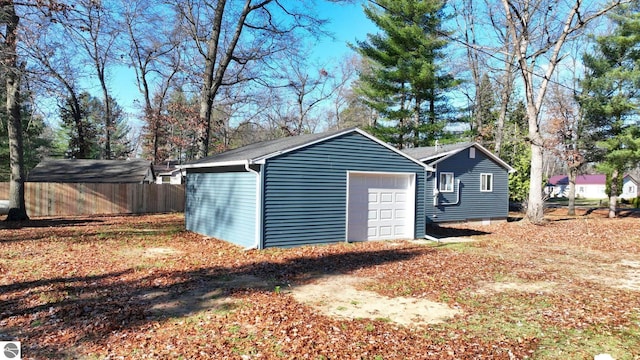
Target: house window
{"type": "Point", "coordinates": [581, 189]}
{"type": "Point", "coordinates": [632, 189]}
{"type": "Point", "coordinates": [472, 153]}
{"type": "Point", "coordinates": [446, 182]}
{"type": "Point", "coordinates": [486, 182]}
{"type": "Point", "coordinates": [166, 179]}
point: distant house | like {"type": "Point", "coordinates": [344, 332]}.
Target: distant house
{"type": "Point", "coordinates": [169, 173]}
{"type": "Point", "coordinates": [93, 171]}
{"type": "Point", "coordinates": [470, 183]}
{"type": "Point", "coordinates": [590, 186]}
{"type": "Point", "coordinates": [630, 188]}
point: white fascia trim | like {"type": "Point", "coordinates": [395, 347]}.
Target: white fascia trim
{"type": "Point", "coordinates": [494, 157]}
{"type": "Point", "coordinates": [213, 164]}
{"type": "Point", "coordinates": [371, 137]}
{"type": "Point", "coordinates": [448, 154]}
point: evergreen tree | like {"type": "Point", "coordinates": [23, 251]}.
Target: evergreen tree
{"type": "Point", "coordinates": [516, 152]}
{"type": "Point", "coordinates": [119, 144]}
{"type": "Point", "coordinates": [610, 96]}
{"type": "Point", "coordinates": [483, 112]}
{"type": "Point", "coordinates": [36, 142]}
{"type": "Point", "coordinates": [406, 85]}
{"type": "Point", "coordinates": [91, 118]}
{"type": "Point", "coordinates": [78, 134]}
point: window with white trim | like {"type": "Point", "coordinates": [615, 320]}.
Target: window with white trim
{"type": "Point", "coordinates": [472, 153]}
{"type": "Point", "coordinates": [486, 182]}
{"type": "Point", "coordinates": [446, 182]}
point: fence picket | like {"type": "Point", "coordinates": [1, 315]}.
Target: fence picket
{"type": "Point", "coordinates": [68, 199]}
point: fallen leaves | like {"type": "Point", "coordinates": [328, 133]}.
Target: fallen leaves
{"type": "Point", "coordinates": [142, 287]}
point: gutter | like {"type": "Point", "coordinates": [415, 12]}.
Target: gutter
{"type": "Point", "coordinates": [256, 245]}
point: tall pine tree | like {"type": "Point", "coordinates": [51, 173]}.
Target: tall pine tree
{"type": "Point", "coordinates": [406, 85]}
{"type": "Point", "coordinates": [610, 99]}
{"type": "Point", "coordinates": [81, 134]}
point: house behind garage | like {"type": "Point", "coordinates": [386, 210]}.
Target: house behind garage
{"type": "Point", "coordinates": [135, 171]}
{"type": "Point", "coordinates": [310, 189]}
{"type": "Point", "coordinates": [469, 183]}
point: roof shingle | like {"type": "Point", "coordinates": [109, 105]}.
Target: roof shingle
{"type": "Point", "coordinates": [91, 171]}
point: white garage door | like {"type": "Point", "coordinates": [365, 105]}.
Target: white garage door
{"type": "Point", "coordinates": [380, 206]}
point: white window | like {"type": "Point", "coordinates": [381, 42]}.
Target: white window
{"type": "Point", "coordinates": [486, 182]}
{"type": "Point", "coordinates": [446, 182]}
{"type": "Point", "coordinates": [580, 189]}
{"type": "Point", "coordinates": [632, 189]}
{"type": "Point", "coordinates": [472, 153]}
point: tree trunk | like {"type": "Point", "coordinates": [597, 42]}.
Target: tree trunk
{"type": "Point", "coordinates": [17, 208]}
{"type": "Point", "coordinates": [535, 205]}
{"type": "Point", "coordinates": [108, 124]}
{"type": "Point", "coordinates": [505, 98]}
{"type": "Point", "coordinates": [613, 194]}
{"type": "Point", "coordinates": [573, 174]}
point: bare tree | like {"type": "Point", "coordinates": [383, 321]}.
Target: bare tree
{"type": "Point", "coordinates": [156, 57]}
{"type": "Point", "coordinates": [55, 66]}
{"type": "Point", "coordinates": [304, 88]}
{"type": "Point", "coordinates": [93, 27]}
{"type": "Point", "coordinates": [12, 73]}
{"type": "Point", "coordinates": [565, 127]}
{"type": "Point", "coordinates": [230, 35]}
{"type": "Point", "coordinates": [539, 30]}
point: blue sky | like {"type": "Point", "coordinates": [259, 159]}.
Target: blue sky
{"type": "Point", "coordinates": [346, 21]}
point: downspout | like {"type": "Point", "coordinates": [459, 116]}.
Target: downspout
{"type": "Point", "coordinates": [256, 245]}
{"type": "Point", "coordinates": [457, 196]}
{"type": "Point", "coordinates": [426, 182]}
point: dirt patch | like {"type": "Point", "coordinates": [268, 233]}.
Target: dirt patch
{"type": "Point", "coordinates": [210, 295]}
{"type": "Point", "coordinates": [338, 296]}
{"type": "Point", "coordinates": [624, 274]}
{"type": "Point", "coordinates": [631, 275]}
{"type": "Point", "coordinates": [528, 287]}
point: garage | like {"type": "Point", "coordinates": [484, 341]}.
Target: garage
{"type": "Point", "coordinates": [380, 206]}
{"type": "Point", "coordinates": [311, 189]}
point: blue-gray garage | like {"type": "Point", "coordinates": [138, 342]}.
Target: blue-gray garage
{"type": "Point", "coordinates": [338, 186]}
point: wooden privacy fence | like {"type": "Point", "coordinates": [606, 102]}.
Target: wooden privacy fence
{"type": "Point", "coordinates": [57, 199]}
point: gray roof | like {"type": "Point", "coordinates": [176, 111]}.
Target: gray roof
{"type": "Point", "coordinates": [92, 171]}
{"type": "Point", "coordinates": [261, 151]}
{"type": "Point", "coordinates": [430, 152]}
{"type": "Point", "coordinates": [433, 154]}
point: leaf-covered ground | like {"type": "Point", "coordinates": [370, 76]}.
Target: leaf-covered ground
{"type": "Point", "coordinates": [141, 287]}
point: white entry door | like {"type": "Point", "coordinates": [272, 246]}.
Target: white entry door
{"type": "Point", "coordinates": [380, 206]}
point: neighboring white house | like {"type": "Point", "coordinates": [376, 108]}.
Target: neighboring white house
{"type": "Point", "coordinates": [169, 174]}
{"type": "Point", "coordinates": [589, 186]}
{"type": "Point", "coordinates": [630, 188]}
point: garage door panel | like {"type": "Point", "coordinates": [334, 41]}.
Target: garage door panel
{"type": "Point", "coordinates": [372, 231]}
{"type": "Point", "coordinates": [386, 197]}
{"type": "Point", "coordinates": [386, 214]}
{"type": "Point", "coordinates": [385, 231]}
{"type": "Point", "coordinates": [387, 206]}
{"type": "Point", "coordinates": [399, 230]}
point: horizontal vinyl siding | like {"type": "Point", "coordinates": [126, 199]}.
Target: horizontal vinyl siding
{"type": "Point", "coordinates": [222, 205]}
{"type": "Point", "coordinates": [474, 204]}
{"type": "Point", "coordinates": [306, 190]}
